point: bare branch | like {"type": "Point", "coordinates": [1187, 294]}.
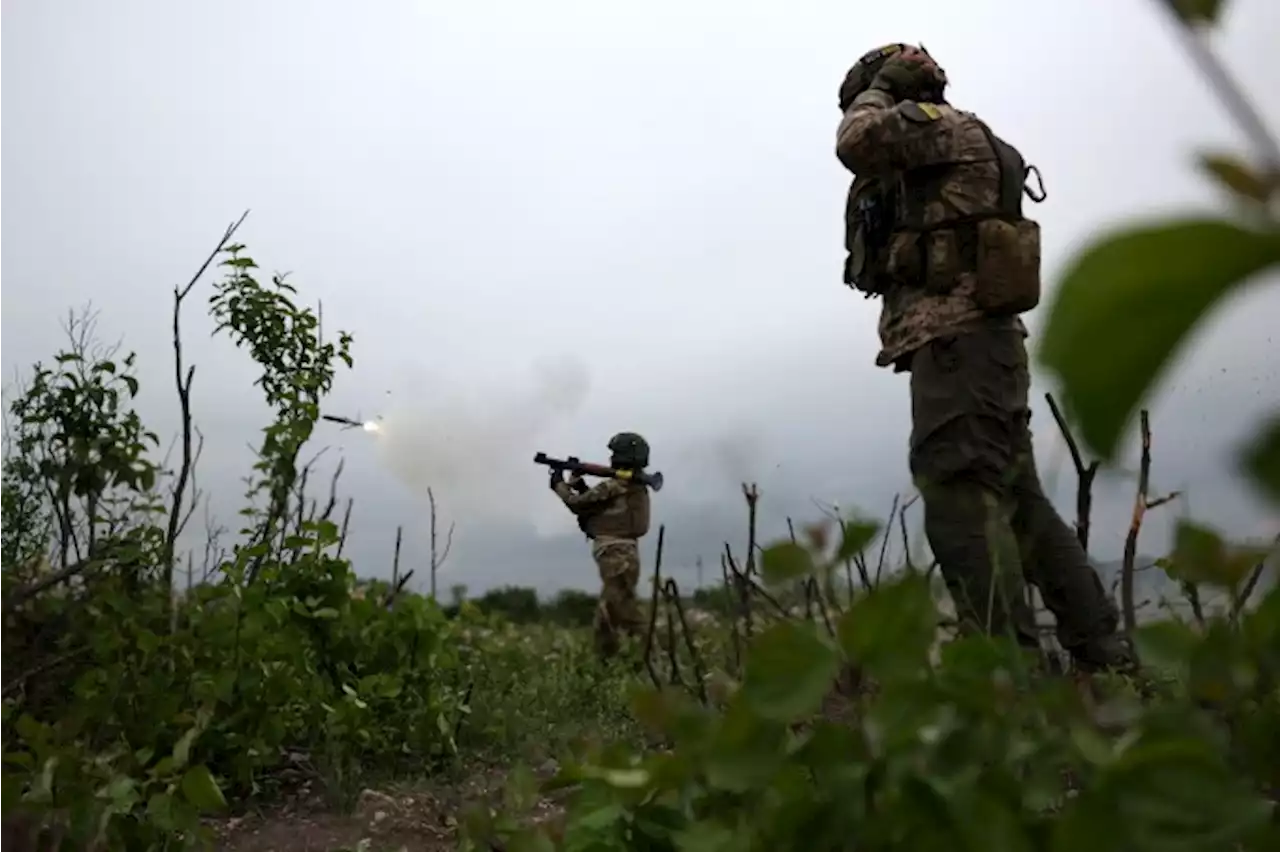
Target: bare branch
{"type": "Point", "coordinates": [21, 595]}
{"type": "Point", "coordinates": [653, 609]}
{"type": "Point", "coordinates": [906, 541]}
{"type": "Point", "coordinates": [1232, 96]}
{"type": "Point", "coordinates": [1141, 504]}
{"type": "Point", "coordinates": [884, 542]}
{"type": "Point", "coordinates": [395, 560]}
{"type": "Point", "coordinates": [1241, 598]}
{"type": "Point", "coordinates": [1085, 475]}
{"type": "Point", "coordinates": [183, 385]}
{"type": "Point", "coordinates": [346, 523]}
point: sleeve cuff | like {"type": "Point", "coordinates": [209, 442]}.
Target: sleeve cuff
{"type": "Point", "coordinates": [874, 97]}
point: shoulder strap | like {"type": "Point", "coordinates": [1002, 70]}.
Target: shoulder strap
{"type": "Point", "coordinates": [1013, 172]}
{"type": "Point", "coordinates": [919, 113]}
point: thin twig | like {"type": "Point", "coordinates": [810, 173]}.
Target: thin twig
{"type": "Point", "coordinates": [395, 560]}
{"type": "Point", "coordinates": [1241, 598]}
{"type": "Point", "coordinates": [906, 541]}
{"type": "Point", "coordinates": [1232, 96]}
{"type": "Point", "coordinates": [1085, 475]}
{"type": "Point", "coordinates": [884, 542]}
{"type": "Point", "coordinates": [346, 524]}
{"type": "Point", "coordinates": [653, 609]}
{"type": "Point", "coordinates": [333, 490]}
{"type": "Point", "coordinates": [695, 658]}
{"type": "Point", "coordinates": [735, 644]}
{"type": "Point", "coordinates": [752, 495]}
{"type": "Point", "coordinates": [437, 557]}
{"type": "Point", "coordinates": [1142, 503]}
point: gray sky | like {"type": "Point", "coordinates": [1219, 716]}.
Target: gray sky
{"type": "Point", "coordinates": [546, 222]}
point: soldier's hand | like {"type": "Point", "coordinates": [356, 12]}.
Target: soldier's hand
{"type": "Point", "coordinates": [557, 477]}
{"type": "Point", "coordinates": [909, 74]}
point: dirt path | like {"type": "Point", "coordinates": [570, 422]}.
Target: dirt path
{"type": "Point", "coordinates": [423, 819]}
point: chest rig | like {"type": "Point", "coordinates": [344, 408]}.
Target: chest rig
{"type": "Point", "coordinates": [892, 240]}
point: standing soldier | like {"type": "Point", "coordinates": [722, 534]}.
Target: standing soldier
{"type": "Point", "coordinates": [934, 226]}
{"type": "Point", "coordinates": [614, 515]}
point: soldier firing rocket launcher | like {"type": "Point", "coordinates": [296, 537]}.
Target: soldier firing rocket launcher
{"type": "Point", "coordinates": [573, 465]}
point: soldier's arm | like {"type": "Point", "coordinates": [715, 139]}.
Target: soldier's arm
{"type": "Point", "coordinates": [876, 135]}
{"type": "Point", "coordinates": [602, 492]}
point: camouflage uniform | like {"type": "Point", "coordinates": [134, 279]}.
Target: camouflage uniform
{"type": "Point", "coordinates": [935, 228]}
{"type": "Point", "coordinates": [614, 515]}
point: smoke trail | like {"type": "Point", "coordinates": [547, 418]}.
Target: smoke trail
{"type": "Point", "coordinates": [473, 446]}
{"type": "Point", "coordinates": [726, 460]}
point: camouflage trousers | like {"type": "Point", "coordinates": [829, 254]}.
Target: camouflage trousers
{"type": "Point", "coordinates": [987, 519]}
{"type": "Point", "coordinates": [619, 610]}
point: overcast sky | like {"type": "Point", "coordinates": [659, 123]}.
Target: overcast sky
{"type": "Point", "coordinates": [546, 222]}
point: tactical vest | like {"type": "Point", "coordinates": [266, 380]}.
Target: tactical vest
{"type": "Point", "coordinates": [889, 243]}
{"type": "Point", "coordinates": [628, 520]}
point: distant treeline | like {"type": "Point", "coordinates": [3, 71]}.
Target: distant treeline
{"type": "Point", "coordinates": [569, 607]}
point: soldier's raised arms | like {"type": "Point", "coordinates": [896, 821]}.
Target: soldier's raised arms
{"type": "Point", "coordinates": [884, 128]}
{"type": "Point", "coordinates": [602, 492]}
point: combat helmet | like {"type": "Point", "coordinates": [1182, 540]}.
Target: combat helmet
{"type": "Point", "coordinates": [859, 78]}
{"type": "Point", "coordinates": [629, 451]}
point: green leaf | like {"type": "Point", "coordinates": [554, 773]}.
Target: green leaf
{"type": "Point", "coordinates": [160, 811]}
{"type": "Point", "coordinates": [1261, 459]}
{"type": "Point", "coordinates": [709, 837]}
{"type": "Point", "coordinates": [239, 263]}
{"type": "Point", "coordinates": [1165, 644]}
{"type": "Point", "coordinates": [1197, 11]}
{"type": "Point", "coordinates": [601, 818]}
{"type": "Point", "coordinates": [789, 671]}
{"type": "Point", "coordinates": [1168, 793]}
{"type": "Point", "coordinates": [856, 535]}
{"type": "Point", "coordinates": [746, 750]}
{"type": "Point", "coordinates": [1126, 304]}
{"type": "Point", "coordinates": [669, 712]}
{"type": "Point", "coordinates": [182, 748]}
{"type": "Point", "coordinates": [1238, 177]}
{"type": "Point", "coordinates": [1201, 556]}
{"type": "Point", "coordinates": [325, 612]}
{"type": "Point", "coordinates": [891, 629]}
{"type": "Point", "coordinates": [783, 562]}
{"type": "Point", "coordinates": [627, 779]}
{"type": "Point", "coordinates": [201, 790]}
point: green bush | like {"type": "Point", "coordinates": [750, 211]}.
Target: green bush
{"type": "Point", "coordinates": [141, 706]}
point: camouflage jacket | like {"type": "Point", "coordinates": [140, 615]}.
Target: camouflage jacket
{"type": "Point", "coordinates": [609, 509]}
{"type": "Point", "coordinates": [880, 140]}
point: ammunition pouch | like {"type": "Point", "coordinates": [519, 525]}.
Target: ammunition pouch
{"type": "Point", "coordinates": [1001, 254]}
{"type": "Point", "coordinates": [869, 218]}
{"type": "Point", "coordinates": [999, 250]}
{"type": "Point", "coordinates": [1008, 266]}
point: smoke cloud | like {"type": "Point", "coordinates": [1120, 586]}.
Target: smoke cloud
{"type": "Point", "coordinates": [473, 445]}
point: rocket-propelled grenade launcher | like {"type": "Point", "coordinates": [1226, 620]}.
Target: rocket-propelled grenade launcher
{"type": "Point", "coordinates": [574, 465]}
